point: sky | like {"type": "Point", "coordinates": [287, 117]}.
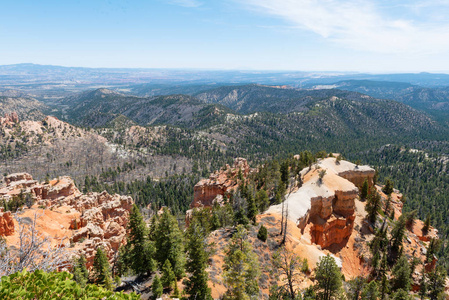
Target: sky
{"type": "Point", "coordinates": [305, 35]}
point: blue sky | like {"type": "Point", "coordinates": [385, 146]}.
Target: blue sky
{"type": "Point", "coordinates": [309, 35]}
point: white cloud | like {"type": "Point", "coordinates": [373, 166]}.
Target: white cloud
{"type": "Point", "coordinates": [186, 3]}
{"type": "Point", "coordinates": [367, 25]}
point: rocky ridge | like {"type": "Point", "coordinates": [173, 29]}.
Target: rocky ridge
{"type": "Point", "coordinates": [325, 216]}
{"type": "Point", "coordinates": [85, 221]}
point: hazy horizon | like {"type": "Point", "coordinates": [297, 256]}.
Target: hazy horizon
{"type": "Point", "coordinates": [264, 35]}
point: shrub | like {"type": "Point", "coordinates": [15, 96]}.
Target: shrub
{"type": "Point", "coordinates": [53, 285]}
{"type": "Point", "coordinates": [262, 234]}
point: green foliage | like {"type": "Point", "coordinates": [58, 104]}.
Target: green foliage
{"type": "Point", "coordinates": [329, 279]}
{"type": "Point", "coordinates": [262, 234]}
{"type": "Point", "coordinates": [241, 268]}
{"type": "Point", "coordinates": [284, 172]}
{"type": "Point", "coordinates": [355, 288]}
{"type": "Point", "coordinates": [436, 283]}
{"type": "Point", "coordinates": [101, 273]}
{"type": "Point", "coordinates": [197, 257]}
{"type": "Point", "coordinates": [401, 295]}
{"type": "Point", "coordinates": [262, 200]}
{"type": "Point", "coordinates": [426, 226]}
{"type": "Point", "coordinates": [139, 251]}
{"type": "Point", "coordinates": [156, 287]}
{"type": "Point", "coordinates": [252, 208]}
{"type": "Point", "coordinates": [170, 243]}
{"type": "Point", "coordinates": [364, 190]}
{"type": "Point", "coordinates": [388, 187]}
{"type": "Point", "coordinates": [168, 278]}
{"type": "Point", "coordinates": [79, 271]}
{"type": "Point", "coordinates": [373, 205]}
{"type": "Point", "coordinates": [55, 285]}
{"type": "Point", "coordinates": [397, 234]}
{"type": "Point", "coordinates": [401, 275]}
{"type": "Point", "coordinates": [370, 291]}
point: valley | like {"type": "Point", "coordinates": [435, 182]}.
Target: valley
{"type": "Point", "coordinates": [205, 158]}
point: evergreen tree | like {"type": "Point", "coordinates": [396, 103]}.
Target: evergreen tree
{"type": "Point", "coordinates": [156, 287]}
{"type": "Point", "coordinates": [241, 268]}
{"type": "Point", "coordinates": [197, 256]}
{"type": "Point", "coordinates": [436, 284]}
{"type": "Point", "coordinates": [139, 250]}
{"type": "Point", "coordinates": [262, 234]}
{"type": "Point", "coordinates": [328, 278]}
{"type": "Point", "coordinates": [426, 226]}
{"type": "Point", "coordinates": [79, 271]}
{"type": "Point", "coordinates": [397, 234]}
{"type": "Point", "coordinates": [284, 173]}
{"type": "Point", "coordinates": [388, 187]}
{"type": "Point", "coordinates": [170, 243]}
{"type": "Point", "coordinates": [262, 200]}
{"type": "Point", "coordinates": [364, 190]}
{"type": "Point", "coordinates": [168, 278]}
{"type": "Point", "coordinates": [252, 208]}
{"type": "Point", "coordinates": [153, 227]}
{"type": "Point", "coordinates": [373, 205]}
{"type": "Point", "coordinates": [401, 275]}
{"type": "Point", "coordinates": [370, 292]}
{"type": "Point", "coordinates": [101, 273]}
{"type": "Point", "coordinates": [356, 287]}
{"type": "Point", "coordinates": [401, 295]}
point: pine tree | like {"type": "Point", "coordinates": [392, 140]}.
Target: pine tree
{"type": "Point", "coordinates": [401, 275]}
{"type": "Point", "coordinates": [397, 234]}
{"type": "Point", "coordinates": [356, 287]}
{"type": "Point", "coordinates": [252, 209]}
{"type": "Point", "coordinates": [373, 205]}
{"type": "Point", "coordinates": [101, 273]}
{"type": "Point", "coordinates": [262, 200]}
{"type": "Point", "coordinates": [197, 256]}
{"type": "Point", "coordinates": [284, 172]}
{"type": "Point", "coordinates": [139, 250]}
{"type": "Point", "coordinates": [388, 188]}
{"type": "Point", "coordinates": [262, 234]}
{"type": "Point", "coordinates": [168, 278]}
{"type": "Point", "coordinates": [170, 243]}
{"type": "Point", "coordinates": [156, 287]}
{"type": "Point", "coordinates": [328, 278]}
{"type": "Point", "coordinates": [241, 268]}
{"type": "Point", "coordinates": [364, 190]}
{"type": "Point", "coordinates": [370, 292]}
{"type": "Point", "coordinates": [426, 226]}
{"type": "Point", "coordinates": [436, 284]}
{"type": "Point", "coordinates": [79, 271]}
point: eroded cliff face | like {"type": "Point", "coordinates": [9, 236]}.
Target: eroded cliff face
{"type": "Point", "coordinates": [335, 222]}
{"type": "Point", "coordinates": [324, 206]}
{"type": "Point", "coordinates": [6, 224]}
{"type": "Point", "coordinates": [219, 183]}
{"type": "Point", "coordinates": [86, 221]}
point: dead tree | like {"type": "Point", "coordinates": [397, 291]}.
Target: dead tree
{"type": "Point", "coordinates": [34, 251]}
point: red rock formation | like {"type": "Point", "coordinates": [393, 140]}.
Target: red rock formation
{"type": "Point", "coordinates": [219, 183]}
{"type": "Point", "coordinates": [99, 219]}
{"type": "Point", "coordinates": [331, 231]}
{"type": "Point", "coordinates": [6, 224]}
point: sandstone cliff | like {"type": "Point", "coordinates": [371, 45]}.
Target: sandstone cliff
{"type": "Point", "coordinates": [86, 221]}
{"type": "Point", "coordinates": [326, 206]}
{"type": "Point", "coordinates": [219, 183]}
